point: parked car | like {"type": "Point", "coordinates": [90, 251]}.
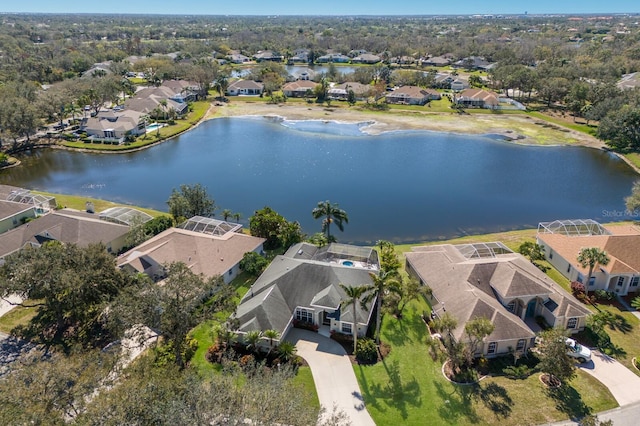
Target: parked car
{"type": "Point", "coordinates": [577, 351]}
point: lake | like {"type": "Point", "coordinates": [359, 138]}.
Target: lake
{"type": "Point", "coordinates": [402, 186]}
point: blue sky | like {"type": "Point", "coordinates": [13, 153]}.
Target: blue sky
{"type": "Point", "coordinates": [323, 7]}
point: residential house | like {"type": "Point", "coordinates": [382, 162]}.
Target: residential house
{"type": "Point", "coordinates": [435, 61]}
{"type": "Point", "coordinates": [366, 58]}
{"type": "Point", "coordinates": [184, 91]}
{"type": "Point", "coordinates": [304, 285]}
{"type": "Point", "coordinates": [115, 125]}
{"type": "Point", "coordinates": [207, 246]}
{"type": "Point", "coordinates": [412, 95]}
{"type": "Point", "coordinates": [41, 203]}
{"type": "Point", "coordinates": [238, 58]}
{"type": "Point", "coordinates": [443, 80]}
{"type": "Point", "coordinates": [298, 89]}
{"type": "Point", "coordinates": [14, 214]}
{"type": "Point", "coordinates": [67, 226]}
{"type": "Point", "coordinates": [403, 60]}
{"type": "Point", "coordinates": [333, 58]}
{"type": "Point", "coordinates": [245, 87]}
{"type": "Point", "coordinates": [305, 74]}
{"type": "Point", "coordinates": [268, 55]}
{"type": "Point", "coordinates": [563, 239]}
{"type": "Point", "coordinates": [99, 69]}
{"type": "Point", "coordinates": [487, 280]}
{"type": "Point", "coordinates": [459, 85]}
{"type": "Point", "coordinates": [300, 56]}
{"type": "Point", "coordinates": [341, 91]}
{"type": "Point", "coordinates": [477, 98]}
{"type": "Point", "coordinates": [474, 63]}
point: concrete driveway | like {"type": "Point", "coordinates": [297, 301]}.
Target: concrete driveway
{"type": "Point", "coordinates": [622, 382]}
{"type": "Point", "coordinates": [333, 375]}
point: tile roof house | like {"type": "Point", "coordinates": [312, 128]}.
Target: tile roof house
{"type": "Point", "coordinates": [304, 285]}
{"type": "Point", "coordinates": [489, 280]}
{"type": "Point", "coordinates": [67, 226]}
{"type": "Point", "coordinates": [204, 251]}
{"type": "Point", "coordinates": [245, 87]}
{"type": "Point", "coordinates": [299, 88]}
{"type": "Point", "coordinates": [14, 214]}
{"type": "Point", "coordinates": [268, 55]}
{"type": "Point", "coordinates": [435, 61]}
{"type": "Point", "coordinates": [366, 58]}
{"type": "Point", "coordinates": [333, 57]}
{"type": "Point", "coordinates": [115, 125]}
{"type": "Point", "coordinates": [238, 58]}
{"type": "Point", "coordinates": [412, 95]}
{"type": "Point", "coordinates": [477, 98]}
{"type": "Point", "coordinates": [629, 81]}
{"type": "Point", "coordinates": [341, 91]}
{"type": "Point", "coordinates": [563, 240]}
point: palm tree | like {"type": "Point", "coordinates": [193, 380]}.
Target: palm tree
{"type": "Point", "coordinates": [383, 281]}
{"type": "Point", "coordinates": [354, 294]}
{"type": "Point", "coordinates": [330, 213]}
{"type": "Point", "coordinates": [236, 216]}
{"type": "Point", "coordinates": [226, 214]}
{"type": "Point", "coordinates": [271, 335]}
{"type": "Point", "coordinates": [251, 340]}
{"type": "Point", "coordinates": [591, 257]}
{"type": "Point", "coordinates": [635, 303]}
{"type": "Point", "coordinates": [286, 350]}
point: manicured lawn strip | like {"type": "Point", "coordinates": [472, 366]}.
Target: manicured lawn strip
{"type": "Point", "coordinates": [408, 388]}
{"type": "Point", "coordinates": [634, 158]}
{"type": "Point", "coordinates": [307, 387]}
{"type": "Point", "coordinates": [79, 203]}
{"type": "Point", "coordinates": [583, 128]}
{"type": "Point", "coordinates": [17, 316]}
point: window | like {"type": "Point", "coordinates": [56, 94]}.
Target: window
{"type": "Point", "coordinates": [620, 281]}
{"type": "Point", "coordinates": [230, 272]}
{"type": "Point", "coordinates": [568, 268]}
{"type": "Point", "coordinates": [491, 349]}
{"type": "Point", "coordinates": [346, 328]}
{"type": "Point", "coordinates": [550, 254]}
{"type": "Point", "coordinates": [511, 306]}
{"type": "Point", "coordinates": [592, 281]}
{"type": "Point", "coordinates": [634, 281]}
{"type": "Point", "coordinates": [520, 346]}
{"type": "Point", "coordinates": [572, 323]}
{"type": "Point", "coordinates": [304, 315]}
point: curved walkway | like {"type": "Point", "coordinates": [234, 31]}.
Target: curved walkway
{"type": "Point", "coordinates": [333, 375]}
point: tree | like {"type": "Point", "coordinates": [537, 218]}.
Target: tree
{"type": "Point", "coordinates": [286, 350]}
{"type": "Point", "coordinates": [226, 214]}
{"type": "Point", "coordinates": [411, 290]}
{"type": "Point", "coordinates": [190, 201]}
{"type": "Point", "coordinates": [591, 257]}
{"type": "Point", "coordinates": [330, 213]}
{"type": "Point", "coordinates": [533, 251]}
{"type": "Point", "coordinates": [389, 261]}
{"type": "Point", "coordinates": [354, 296]}
{"type": "Point", "coordinates": [253, 264]}
{"type": "Point", "coordinates": [552, 353]}
{"type": "Point", "coordinates": [351, 97]}
{"type": "Point", "coordinates": [476, 330]}
{"type": "Point", "coordinates": [632, 202]}
{"type": "Point", "coordinates": [445, 325]}
{"type": "Point", "coordinates": [252, 339]}
{"type": "Point", "coordinates": [271, 335]}
{"type": "Point", "coordinates": [383, 282]}
{"type": "Point", "coordinates": [269, 224]}
{"type": "Point", "coordinates": [620, 129]}
{"type": "Point", "coordinates": [635, 303]}
{"type": "Point", "coordinates": [70, 286]}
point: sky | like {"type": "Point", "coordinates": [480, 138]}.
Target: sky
{"type": "Point", "coordinates": [323, 7]}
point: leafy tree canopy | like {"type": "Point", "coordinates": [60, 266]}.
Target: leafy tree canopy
{"type": "Point", "coordinates": [189, 201]}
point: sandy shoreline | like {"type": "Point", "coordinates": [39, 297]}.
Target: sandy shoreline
{"type": "Point", "coordinates": [520, 129]}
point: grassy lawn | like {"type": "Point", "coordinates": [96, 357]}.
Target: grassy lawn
{"type": "Point", "coordinates": [78, 203]}
{"type": "Point", "coordinates": [304, 381]}
{"type": "Point", "coordinates": [17, 316]}
{"type": "Point", "coordinates": [634, 158]}
{"type": "Point", "coordinates": [199, 110]}
{"type": "Point", "coordinates": [583, 128]}
{"type": "Point", "coordinates": [408, 388]}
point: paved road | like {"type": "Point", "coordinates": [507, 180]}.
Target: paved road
{"type": "Point", "coordinates": [333, 374]}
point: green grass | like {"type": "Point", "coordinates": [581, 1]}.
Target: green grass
{"type": "Point", "coordinates": [583, 128]}
{"type": "Point", "coordinates": [17, 316]}
{"type": "Point", "coordinates": [79, 203]}
{"type": "Point", "coordinates": [304, 381]}
{"type": "Point", "coordinates": [138, 81]}
{"type": "Point", "coordinates": [634, 158]}
{"type": "Point", "coordinates": [408, 388]}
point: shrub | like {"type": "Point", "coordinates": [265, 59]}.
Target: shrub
{"type": "Point", "coordinates": [517, 371]}
{"type": "Point", "coordinates": [577, 287]}
{"type": "Point", "coordinates": [305, 325]}
{"type": "Point", "coordinates": [604, 295]}
{"type": "Point", "coordinates": [366, 351]}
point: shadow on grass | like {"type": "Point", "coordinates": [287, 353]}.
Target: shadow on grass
{"type": "Point", "coordinates": [397, 393]}
{"type": "Point", "coordinates": [457, 404]}
{"type": "Point", "coordinates": [619, 323]}
{"type": "Point", "coordinates": [409, 328]}
{"type": "Point", "coordinates": [496, 398]}
{"type": "Point", "coordinates": [569, 401]}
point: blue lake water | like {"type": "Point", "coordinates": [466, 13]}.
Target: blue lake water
{"type": "Point", "coordinates": [402, 186]}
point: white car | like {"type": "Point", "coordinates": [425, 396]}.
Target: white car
{"type": "Point", "coordinates": [577, 351]}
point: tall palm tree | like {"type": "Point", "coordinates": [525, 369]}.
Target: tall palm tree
{"type": "Point", "coordinates": [330, 213]}
{"type": "Point", "coordinates": [236, 216]}
{"type": "Point", "coordinates": [226, 214]}
{"type": "Point", "coordinates": [354, 295]}
{"type": "Point", "coordinates": [383, 282]}
{"type": "Point", "coordinates": [591, 257]}
{"type": "Point", "coordinates": [271, 335]}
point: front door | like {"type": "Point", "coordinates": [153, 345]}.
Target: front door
{"type": "Point", "coordinates": [531, 309]}
{"type": "Point", "coordinates": [325, 319]}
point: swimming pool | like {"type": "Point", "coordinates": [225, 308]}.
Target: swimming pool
{"type": "Point", "coordinates": [154, 126]}
{"type": "Point", "coordinates": [347, 263]}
